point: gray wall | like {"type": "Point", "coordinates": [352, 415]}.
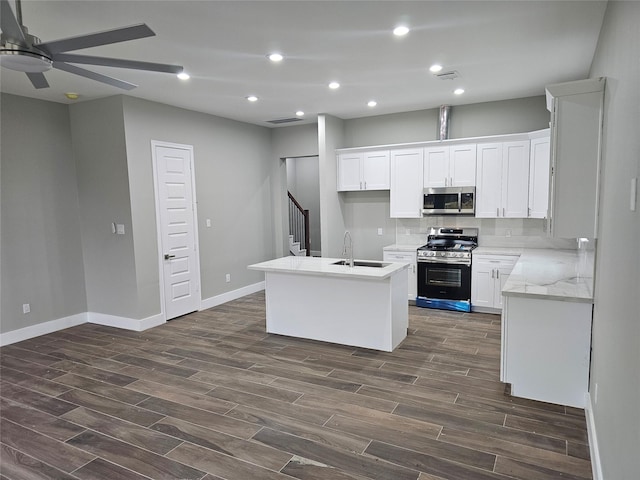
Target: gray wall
{"type": "Point", "coordinates": [97, 130]}
{"type": "Point", "coordinates": [233, 164]}
{"type": "Point", "coordinates": [41, 250]}
{"type": "Point", "coordinates": [477, 120]}
{"type": "Point", "coordinates": [615, 357]}
{"type": "Point", "coordinates": [332, 215]}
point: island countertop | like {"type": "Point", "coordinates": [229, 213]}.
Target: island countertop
{"type": "Point", "coordinates": [323, 266]}
{"type": "Point", "coordinates": [550, 274]}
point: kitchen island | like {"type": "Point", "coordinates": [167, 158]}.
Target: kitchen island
{"type": "Point", "coordinates": [312, 297]}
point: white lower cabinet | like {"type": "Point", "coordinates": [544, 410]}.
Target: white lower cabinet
{"type": "Point", "coordinates": [411, 259]}
{"type": "Point", "coordinates": [546, 347]}
{"type": "Point", "coordinates": [488, 275]}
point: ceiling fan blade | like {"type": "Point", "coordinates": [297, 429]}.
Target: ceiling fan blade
{"type": "Point", "coordinates": [9, 23]}
{"type": "Point", "coordinates": [96, 39]}
{"type": "Point", "coordinates": [38, 80]}
{"type": "Point", "coordinates": [117, 62]}
{"type": "Point", "coordinates": [114, 82]}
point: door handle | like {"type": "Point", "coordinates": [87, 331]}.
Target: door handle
{"type": "Point", "coordinates": [168, 257]}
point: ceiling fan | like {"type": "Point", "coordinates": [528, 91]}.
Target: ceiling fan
{"type": "Point", "coordinates": [23, 52]}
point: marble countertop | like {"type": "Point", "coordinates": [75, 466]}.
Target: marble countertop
{"type": "Point", "coordinates": [498, 251]}
{"type": "Point", "coordinates": [324, 267]}
{"type": "Point", "coordinates": [399, 247]}
{"type": "Point", "coordinates": [550, 274]}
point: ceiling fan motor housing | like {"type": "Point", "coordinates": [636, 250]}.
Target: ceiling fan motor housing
{"type": "Point", "coordinates": [24, 58]}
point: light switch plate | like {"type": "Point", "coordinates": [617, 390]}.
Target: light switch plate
{"type": "Point", "coordinates": [120, 228]}
{"type": "Point", "coordinates": [379, 231]}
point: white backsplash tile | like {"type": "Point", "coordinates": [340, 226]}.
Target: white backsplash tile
{"type": "Point", "coordinates": [492, 232]}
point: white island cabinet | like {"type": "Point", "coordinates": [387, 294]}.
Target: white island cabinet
{"type": "Point", "coordinates": [361, 306]}
{"type": "Point", "coordinates": [407, 254]}
{"type": "Point", "coordinates": [546, 328]}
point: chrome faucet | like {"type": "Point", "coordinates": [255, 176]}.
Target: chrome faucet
{"type": "Point", "coordinates": [344, 248]}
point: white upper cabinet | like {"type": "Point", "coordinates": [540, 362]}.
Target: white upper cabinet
{"type": "Point", "coordinates": [539, 176]}
{"type": "Point", "coordinates": [576, 132]}
{"type": "Point", "coordinates": [450, 166]}
{"type": "Point", "coordinates": [515, 186]}
{"type": "Point", "coordinates": [363, 171]}
{"type": "Point", "coordinates": [489, 180]}
{"type": "Point", "coordinates": [406, 183]}
{"type": "Point", "coordinates": [502, 180]}
{"type": "Point", "coordinates": [349, 176]}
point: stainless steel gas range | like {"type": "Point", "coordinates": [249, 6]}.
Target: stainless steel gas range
{"type": "Point", "coordinates": [444, 269]}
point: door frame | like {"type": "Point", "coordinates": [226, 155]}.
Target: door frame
{"type": "Point", "coordinates": [196, 237]}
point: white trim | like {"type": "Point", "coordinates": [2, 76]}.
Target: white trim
{"type": "Point", "coordinates": [154, 144]}
{"type": "Point", "coordinates": [232, 295]}
{"type": "Point", "coordinates": [51, 326]}
{"type": "Point", "coordinates": [594, 451]}
{"type": "Point", "coordinates": [124, 322]}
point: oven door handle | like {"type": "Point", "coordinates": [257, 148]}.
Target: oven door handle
{"type": "Point", "coordinates": [453, 261]}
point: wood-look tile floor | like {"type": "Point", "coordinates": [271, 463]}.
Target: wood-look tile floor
{"type": "Point", "coordinates": [212, 396]}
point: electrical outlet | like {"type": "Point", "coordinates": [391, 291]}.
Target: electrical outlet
{"type": "Point", "coordinates": [120, 228]}
{"type": "Point", "coordinates": [208, 222]}
{"type": "Point", "coordinates": [379, 231]}
{"type": "Point", "coordinates": [26, 308]}
{"type": "Point", "coordinates": [227, 277]}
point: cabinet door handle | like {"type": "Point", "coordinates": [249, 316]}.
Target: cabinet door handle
{"type": "Point", "coordinates": [451, 181]}
{"type": "Point", "coordinates": [503, 212]}
{"type": "Point", "coordinates": [360, 185]}
{"type": "Point", "coordinates": [497, 211]}
{"type": "Point", "coordinates": [497, 273]}
{"type": "Point", "coordinates": [493, 272]}
{"type": "Point", "coordinates": [365, 184]}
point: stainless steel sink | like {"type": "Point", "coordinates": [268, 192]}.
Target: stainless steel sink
{"type": "Point", "coordinates": [363, 263]}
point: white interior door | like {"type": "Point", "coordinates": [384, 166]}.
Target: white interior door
{"type": "Point", "coordinates": [173, 165]}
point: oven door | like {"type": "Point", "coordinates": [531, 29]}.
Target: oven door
{"type": "Point", "coordinates": [444, 280]}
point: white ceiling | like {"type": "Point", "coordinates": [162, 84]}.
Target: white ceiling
{"type": "Point", "coordinates": [501, 50]}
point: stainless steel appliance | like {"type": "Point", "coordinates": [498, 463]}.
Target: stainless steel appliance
{"type": "Point", "coordinates": [449, 201]}
{"type": "Point", "coordinates": [444, 269]}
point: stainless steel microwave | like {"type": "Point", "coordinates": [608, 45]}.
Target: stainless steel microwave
{"type": "Point", "coordinates": [449, 201]}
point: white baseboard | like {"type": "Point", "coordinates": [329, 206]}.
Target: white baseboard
{"type": "Point", "coordinates": [124, 322]}
{"type": "Point", "coordinates": [232, 295]}
{"type": "Point", "coordinates": [594, 451]}
{"type": "Point", "coordinates": [51, 326]}
{"type": "Point", "coordinates": [42, 329]}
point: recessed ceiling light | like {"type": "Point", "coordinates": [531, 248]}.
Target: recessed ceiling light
{"type": "Point", "coordinates": [372, 103]}
{"type": "Point", "coordinates": [252, 98]}
{"type": "Point", "coordinates": [401, 31]}
{"type": "Point", "coordinates": [300, 113]}
{"type": "Point", "coordinates": [459, 91]}
{"type": "Point", "coordinates": [184, 76]}
{"type": "Point", "coordinates": [71, 95]}
{"type": "Point", "coordinates": [435, 68]}
{"type": "Point", "coordinates": [334, 85]}
{"type": "Point", "coordinates": [275, 57]}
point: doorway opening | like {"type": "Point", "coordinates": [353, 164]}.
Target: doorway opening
{"type": "Point", "coordinates": [303, 183]}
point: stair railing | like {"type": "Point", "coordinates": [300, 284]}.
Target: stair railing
{"type": "Point", "coordinates": [299, 223]}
